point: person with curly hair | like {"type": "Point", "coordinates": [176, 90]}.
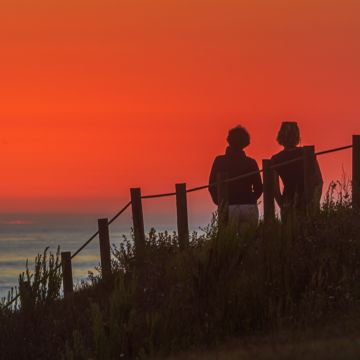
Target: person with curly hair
{"type": "Point", "coordinates": [242, 193]}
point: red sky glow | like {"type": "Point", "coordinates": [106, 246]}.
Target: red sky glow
{"type": "Point", "coordinates": [100, 96]}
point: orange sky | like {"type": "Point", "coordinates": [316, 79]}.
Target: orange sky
{"type": "Point", "coordinates": [98, 96]}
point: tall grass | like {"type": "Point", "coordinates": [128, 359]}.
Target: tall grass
{"type": "Point", "coordinates": [226, 283]}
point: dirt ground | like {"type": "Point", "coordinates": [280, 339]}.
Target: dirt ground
{"type": "Point", "coordinates": [338, 340]}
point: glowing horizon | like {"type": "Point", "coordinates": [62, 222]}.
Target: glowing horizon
{"type": "Point", "coordinates": [97, 97]}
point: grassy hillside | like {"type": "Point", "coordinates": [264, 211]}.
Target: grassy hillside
{"type": "Point", "coordinates": [281, 276]}
{"type": "Point", "coordinates": [336, 337]}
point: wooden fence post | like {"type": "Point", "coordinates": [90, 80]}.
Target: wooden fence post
{"type": "Point", "coordinates": [222, 197]}
{"type": "Point", "coordinates": [138, 222]}
{"type": "Point", "coordinates": [26, 298]}
{"type": "Point", "coordinates": [309, 166]}
{"type": "Point", "coordinates": [105, 256]}
{"type": "Point", "coordinates": [356, 171]}
{"type": "Point", "coordinates": [269, 194]}
{"type": "Point", "coordinates": [67, 273]}
{"type": "Point", "coordinates": [182, 215]}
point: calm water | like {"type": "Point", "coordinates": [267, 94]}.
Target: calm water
{"type": "Point", "coordinates": [16, 247]}
{"type": "Point", "coordinates": [24, 236]}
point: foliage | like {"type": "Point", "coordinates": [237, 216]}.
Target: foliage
{"type": "Point", "coordinates": [226, 283]}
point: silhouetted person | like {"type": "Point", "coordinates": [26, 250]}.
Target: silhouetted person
{"type": "Point", "coordinates": [243, 193]}
{"type": "Point", "coordinates": [292, 175]}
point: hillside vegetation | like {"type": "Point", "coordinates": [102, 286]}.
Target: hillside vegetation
{"type": "Point", "coordinates": [281, 276]}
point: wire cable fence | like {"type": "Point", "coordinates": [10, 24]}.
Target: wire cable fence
{"type": "Point", "coordinates": [198, 188]}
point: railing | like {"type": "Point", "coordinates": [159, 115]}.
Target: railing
{"type": "Point", "coordinates": [182, 212]}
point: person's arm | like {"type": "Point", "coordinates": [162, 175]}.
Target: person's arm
{"type": "Point", "coordinates": [318, 184]}
{"type": "Point", "coordinates": [277, 192]}
{"type": "Point", "coordinates": [212, 180]}
{"type": "Point", "coordinates": [257, 182]}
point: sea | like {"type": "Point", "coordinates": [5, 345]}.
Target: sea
{"type": "Point", "coordinates": [23, 236]}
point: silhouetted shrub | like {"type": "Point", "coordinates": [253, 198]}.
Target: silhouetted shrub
{"type": "Point", "coordinates": [225, 283]}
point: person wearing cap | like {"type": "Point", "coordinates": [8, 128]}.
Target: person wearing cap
{"type": "Point", "coordinates": [292, 174]}
{"type": "Point", "coordinates": [242, 193]}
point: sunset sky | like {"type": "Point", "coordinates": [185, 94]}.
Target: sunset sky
{"type": "Point", "coordinates": [100, 96]}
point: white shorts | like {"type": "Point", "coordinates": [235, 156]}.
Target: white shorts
{"type": "Point", "coordinates": [243, 215]}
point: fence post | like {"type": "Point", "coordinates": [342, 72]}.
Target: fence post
{"type": "Point", "coordinates": [356, 171]}
{"type": "Point", "coordinates": [67, 273]}
{"type": "Point", "coordinates": [26, 298]}
{"type": "Point", "coordinates": [269, 194]}
{"type": "Point", "coordinates": [138, 222]}
{"type": "Point", "coordinates": [309, 165]}
{"type": "Point", "coordinates": [105, 256]}
{"type": "Point", "coordinates": [182, 215]}
{"type": "Point", "coordinates": [222, 197]}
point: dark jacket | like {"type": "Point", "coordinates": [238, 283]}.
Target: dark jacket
{"type": "Point", "coordinates": [235, 163]}
{"type": "Point", "coordinates": [292, 176]}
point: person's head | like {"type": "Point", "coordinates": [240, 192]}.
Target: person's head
{"type": "Point", "coordinates": [238, 137]}
{"type": "Point", "coordinates": [289, 134]}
